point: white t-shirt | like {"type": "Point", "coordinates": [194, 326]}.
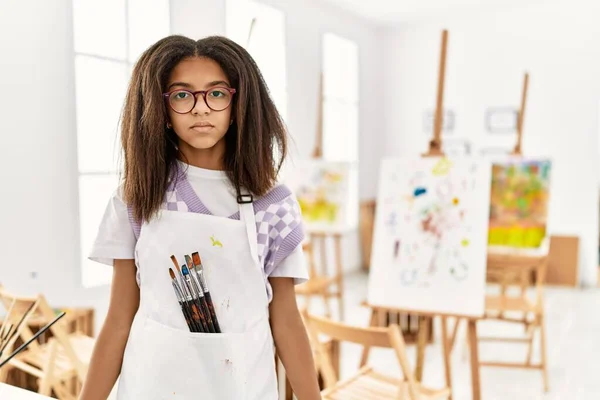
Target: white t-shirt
{"type": "Point", "coordinates": [116, 238]}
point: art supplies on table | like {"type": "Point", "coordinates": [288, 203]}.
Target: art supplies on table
{"type": "Point", "coordinates": [34, 337]}
{"type": "Point", "coordinates": [191, 291]}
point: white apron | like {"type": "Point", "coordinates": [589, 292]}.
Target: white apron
{"type": "Point", "coordinates": [163, 359]}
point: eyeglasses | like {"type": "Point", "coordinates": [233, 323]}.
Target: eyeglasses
{"type": "Point", "coordinates": [183, 101]}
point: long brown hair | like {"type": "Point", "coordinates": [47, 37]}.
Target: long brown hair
{"type": "Point", "coordinates": [150, 149]}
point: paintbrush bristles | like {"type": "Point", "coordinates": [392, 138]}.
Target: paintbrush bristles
{"type": "Point", "coordinates": [188, 261]}
{"type": "Point", "coordinates": [174, 260]}
{"type": "Point", "coordinates": [171, 273]}
{"type": "Point", "coordinates": [196, 258]}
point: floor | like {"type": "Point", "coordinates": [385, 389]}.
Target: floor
{"type": "Point", "coordinates": [573, 331]}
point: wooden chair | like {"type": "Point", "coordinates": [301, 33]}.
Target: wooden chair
{"type": "Point", "coordinates": [320, 283]}
{"type": "Point", "coordinates": [518, 271]}
{"type": "Point", "coordinates": [57, 363]}
{"type": "Point", "coordinates": [367, 383]}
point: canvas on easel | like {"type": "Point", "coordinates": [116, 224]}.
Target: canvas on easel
{"type": "Point", "coordinates": [429, 247]}
{"type": "Point", "coordinates": [325, 191]}
{"type": "Point", "coordinates": [520, 196]}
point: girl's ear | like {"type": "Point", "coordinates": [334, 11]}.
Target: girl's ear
{"type": "Point", "coordinates": [169, 126]}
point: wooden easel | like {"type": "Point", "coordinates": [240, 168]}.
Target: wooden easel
{"type": "Point", "coordinates": [517, 269]}
{"type": "Point", "coordinates": [378, 314]}
{"type": "Point", "coordinates": [521, 117]}
{"type": "Point", "coordinates": [320, 283]}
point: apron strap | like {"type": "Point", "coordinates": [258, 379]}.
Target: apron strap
{"type": "Point", "coordinates": [247, 215]}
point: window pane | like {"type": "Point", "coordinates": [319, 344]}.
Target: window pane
{"type": "Point", "coordinates": [266, 44]}
{"type": "Point", "coordinates": [148, 22]}
{"type": "Point", "coordinates": [99, 27]}
{"type": "Point", "coordinates": [94, 193]}
{"type": "Point", "coordinates": [340, 68]}
{"type": "Point", "coordinates": [340, 131]}
{"type": "Point", "coordinates": [100, 90]}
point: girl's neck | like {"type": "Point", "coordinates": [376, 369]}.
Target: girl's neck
{"type": "Point", "coordinates": [211, 158]}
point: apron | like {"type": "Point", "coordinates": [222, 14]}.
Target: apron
{"type": "Point", "coordinates": [163, 359]}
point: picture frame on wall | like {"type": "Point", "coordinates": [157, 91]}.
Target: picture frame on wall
{"type": "Point", "coordinates": [448, 121]}
{"type": "Point", "coordinates": [501, 119]}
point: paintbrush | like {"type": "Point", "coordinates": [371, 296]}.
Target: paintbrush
{"type": "Point", "coordinates": [189, 295]}
{"type": "Point", "coordinates": [195, 297]}
{"type": "Point", "coordinates": [16, 331]}
{"type": "Point", "coordinates": [202, 279]}
{"type": "Point", "coordinates": [194, 312]}
{"type": "Point", "coordinates": [179, 295]}
{"type": "Point", "coordinates": [198, 287]}
{"type": "Point", "coordinates": [34, 337]}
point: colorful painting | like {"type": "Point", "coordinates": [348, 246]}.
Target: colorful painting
{"type": "Point", "coordinates": [429, 246]}
{"type": "Point", "coordinates": [325, 193]}
{"type": "Point", "coordinates": [519, 203]}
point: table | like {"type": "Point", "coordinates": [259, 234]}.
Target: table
{"type": "Point", "coordinates": [15, 393]}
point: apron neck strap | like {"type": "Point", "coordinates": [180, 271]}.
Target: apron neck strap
{"type": "Point", "coordinates": [247, 216]}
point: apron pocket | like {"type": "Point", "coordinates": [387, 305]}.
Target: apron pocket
{"type": "Point", "coordinates": [178, 364]}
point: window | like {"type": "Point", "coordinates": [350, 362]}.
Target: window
{"type": "Point", "coordinates": [108, 37]}
{"type": "Point", "coordinates": [340, 90]}
{"type": "Point", "coordinates": [340, 99]}
{"type": "Point", "coordinates": [260, 29]}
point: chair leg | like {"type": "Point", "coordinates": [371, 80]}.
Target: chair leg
{"type": "Point", "coordinates": [341, 305]}
{"type": "Point", "coordinates": [46, 382]}
{"type": "Point", "coordinates": [366, 350]}
{"type": "Point", "coordinates": [530, 332]}
{"type": "Point", "coordinates": [327, 303]}
{"type": "Point", "coordinates": [543, 353]}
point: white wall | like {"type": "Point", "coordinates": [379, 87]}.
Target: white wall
{"type": "Point", "coordinates": [488, 54]}
{"type": "Point", "coordinates": [39, 222]}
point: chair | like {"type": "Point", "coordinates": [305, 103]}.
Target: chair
{"type": "Point", "coordinates": [319, 284]}
{"type": "Point", "coordinates": [367, 383]}
{"type": "Point", "coordinates": [518, 270]}
{"type": "Point", "coordinates": [57, 362]}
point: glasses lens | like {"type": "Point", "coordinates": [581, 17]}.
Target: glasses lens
{"type": "Point", "coordinates": [181, 101]}
{"type": "Point", "coordinates": [218, 98]}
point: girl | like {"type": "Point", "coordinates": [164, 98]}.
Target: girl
{"type": "Point", "coordinates": [199, 132]}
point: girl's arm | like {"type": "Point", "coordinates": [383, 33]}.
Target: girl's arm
{"type": "Point", "coordinates": [105, 365]}
{"type": "Point", "coordinates": [291, 340]}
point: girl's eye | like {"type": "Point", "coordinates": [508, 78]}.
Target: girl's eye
{"type": "Point", "coordinates": [181, 95]}
{"type": "Point", "coordinates": [216, 93]}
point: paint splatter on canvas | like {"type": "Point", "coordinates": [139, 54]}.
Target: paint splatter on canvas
{"type": "Point", "coordinates": [519, 203]}
{"type": "Point", "coordinates": [429, 245]}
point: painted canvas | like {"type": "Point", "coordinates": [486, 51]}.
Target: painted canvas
{"type": "Point", "coordinates": [429, 246]}
{"type": "Point", "coordinates": [326, 192]}
{"type": "Point", "coordinates": [519, 203]}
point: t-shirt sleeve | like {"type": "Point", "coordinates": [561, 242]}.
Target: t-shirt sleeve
{"type": "Point", "coordinates": [280, 235]}
{"type": "Point", "coordinates": [292, 266]}
{"type": "Point", "coordinates": [115, 238]}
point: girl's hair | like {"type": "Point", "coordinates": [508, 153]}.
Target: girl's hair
{"type": "Point", "coordinates": [150, 149]}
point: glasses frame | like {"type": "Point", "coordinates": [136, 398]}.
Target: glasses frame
{"type": "Point", "coordinates": [231, 91]}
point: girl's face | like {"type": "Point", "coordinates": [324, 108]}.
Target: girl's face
{"type": "Point", "coordinates": [201, 130]}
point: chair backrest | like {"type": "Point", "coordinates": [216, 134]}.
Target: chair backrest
{"type": "Point", "coordinates": [41, 314]}
{"type": "Point", "coordinates": [389, 337]}
{"type": "Point", "coordinates": [16, 308]}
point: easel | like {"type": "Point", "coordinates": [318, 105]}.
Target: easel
{"type": "Point", "coordinates": [521, 117]}
{"type": "Point", "coordinates": [320, 283]}
{"type": "Point", "coordinates": [378, 314]}
{"type": "Point", "coordinates": [516, 268]}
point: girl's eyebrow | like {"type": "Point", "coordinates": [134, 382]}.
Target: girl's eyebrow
{"type": "Point", "coordinates": [216, 83]}
{"type": "Point", "coordinates": [187, 85]}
